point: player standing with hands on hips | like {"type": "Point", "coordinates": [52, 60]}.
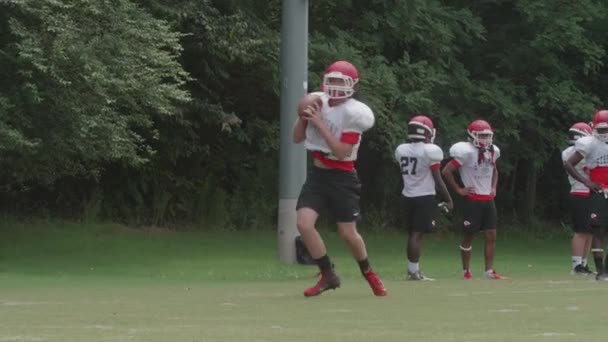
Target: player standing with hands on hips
{"type": "Point", "coordinates": [594, 150]}
{"type": "Point", "coordinates": [475, 160]}
{"type": "Point", "coordinates": [579, 203]}
{"type": "Point", "coordinates": [331, 124]}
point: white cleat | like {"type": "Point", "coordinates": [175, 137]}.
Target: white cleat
{"type": "Point", "coordinates": [418, 276]}
{"type": "Point", "coordinates": [492, 275]}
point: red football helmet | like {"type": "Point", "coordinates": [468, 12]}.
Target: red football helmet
{"type": "Point", "coordinates": [339, 80]}
{"type": "Point", "coordinates": [600, 125]}
{"type": "Point", "coordinates": [481, 133]}
{"type": "Point", "coordinates": [421, 127]}
{"type": "Point", "coordinates": [577, 131]}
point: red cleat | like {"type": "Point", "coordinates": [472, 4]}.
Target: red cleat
{"type": "Point", "coordinates": [327, 281]}
{"type": "Point", "coordinates": [375, 283]}
{"type": "Point", "coordinates": [467, 275]}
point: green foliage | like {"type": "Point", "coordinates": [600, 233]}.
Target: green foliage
{"type": "Point", "coordinates": [83, 82]}
{"type": "Point", "coordinates": [166, 112]}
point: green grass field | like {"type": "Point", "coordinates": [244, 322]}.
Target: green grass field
{"type": "Point", "coordinates": [63, 282]}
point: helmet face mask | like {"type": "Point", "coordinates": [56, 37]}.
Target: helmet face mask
{"type": "Point", "coordinates": [601, 133]}
{"type": "Point", "coordinates": [483, 139]}
{"type": "Point", "coordinates": [600, 125]}
{"type": "Point", "coordinates": [339, 80]}
{"type": "Point", "coordinates": [338, 86]}
{"type": "Point", "coordinates": [481, 134]}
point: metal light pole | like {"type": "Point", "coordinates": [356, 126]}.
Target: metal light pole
{"type": "Point", "coordinates": [292, 162]}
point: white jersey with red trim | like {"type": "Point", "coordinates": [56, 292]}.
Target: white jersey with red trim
{"type": "Point", "coordinates": [475, 172]}
{"type": "Point", "coordinates": [576, 187]}
{"type": "Point", "coordinates": [416, 161]}
{"type": "Point", "coordinates": [351, 116]}
{"type": "Point", "coordinates": [596, 158]}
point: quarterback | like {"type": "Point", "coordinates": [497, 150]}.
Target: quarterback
{"type": "Point", "coordinates": [330, 125]}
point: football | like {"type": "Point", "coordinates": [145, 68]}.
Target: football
{"type": "Point", "coordinates": [308, 100]}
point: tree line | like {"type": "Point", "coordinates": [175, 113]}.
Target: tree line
{"type": "Point", "coordinates": [166, 112]}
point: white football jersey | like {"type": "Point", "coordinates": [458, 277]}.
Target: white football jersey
{"type": "Point", "coordinates": [416, 161]}
{"type": "Point", "coordinates": [473, 172]}
{"type": "Point", "coordinates": [576, 187]}
{"type": "Point", "coordinates": [352, 116]}
{"type": "Point", "coordinates": [596, 158]}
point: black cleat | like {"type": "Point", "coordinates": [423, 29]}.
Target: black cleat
{"type": "Point", "coordinates": [581, 270]}
{"type": "Point", "coordinates": [588, 270]}
{"type": "Point", "coordinates": [327, 281]}
{"type": "Point", "coordinates": [602, 277]}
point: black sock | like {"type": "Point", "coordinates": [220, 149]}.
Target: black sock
{"type": "Point", "coordinates": [599, 265]}
{"type": "Point", "coordinates": [324, 263]}
{"type": "Point", "coordinates": [364, 265]}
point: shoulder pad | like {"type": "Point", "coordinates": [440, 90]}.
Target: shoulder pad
{"type": "Point", "coordinates": [496, 152]}
{"type": "Point", "coordinates": [360, 117]}
{"type": "Point", "coordinates": [460, 151]}
{"type": "Point", "coordinates": [434, 152]}
{"type": "Point", "coordinates": [584, 145]}
{"type": "Point", "coordinates": [567, 153]}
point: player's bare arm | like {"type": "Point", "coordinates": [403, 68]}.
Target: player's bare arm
{"type": "Point", "coordinates": [442, 189]}
{"type": "Point", "coordinates": [340, 149]}
{"type": "Point", "coordinates": [570, 166]}
{"type": "Point", "coordinates": [299, 131]}
{"type": "Point", "coordinates": [448, 173]}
